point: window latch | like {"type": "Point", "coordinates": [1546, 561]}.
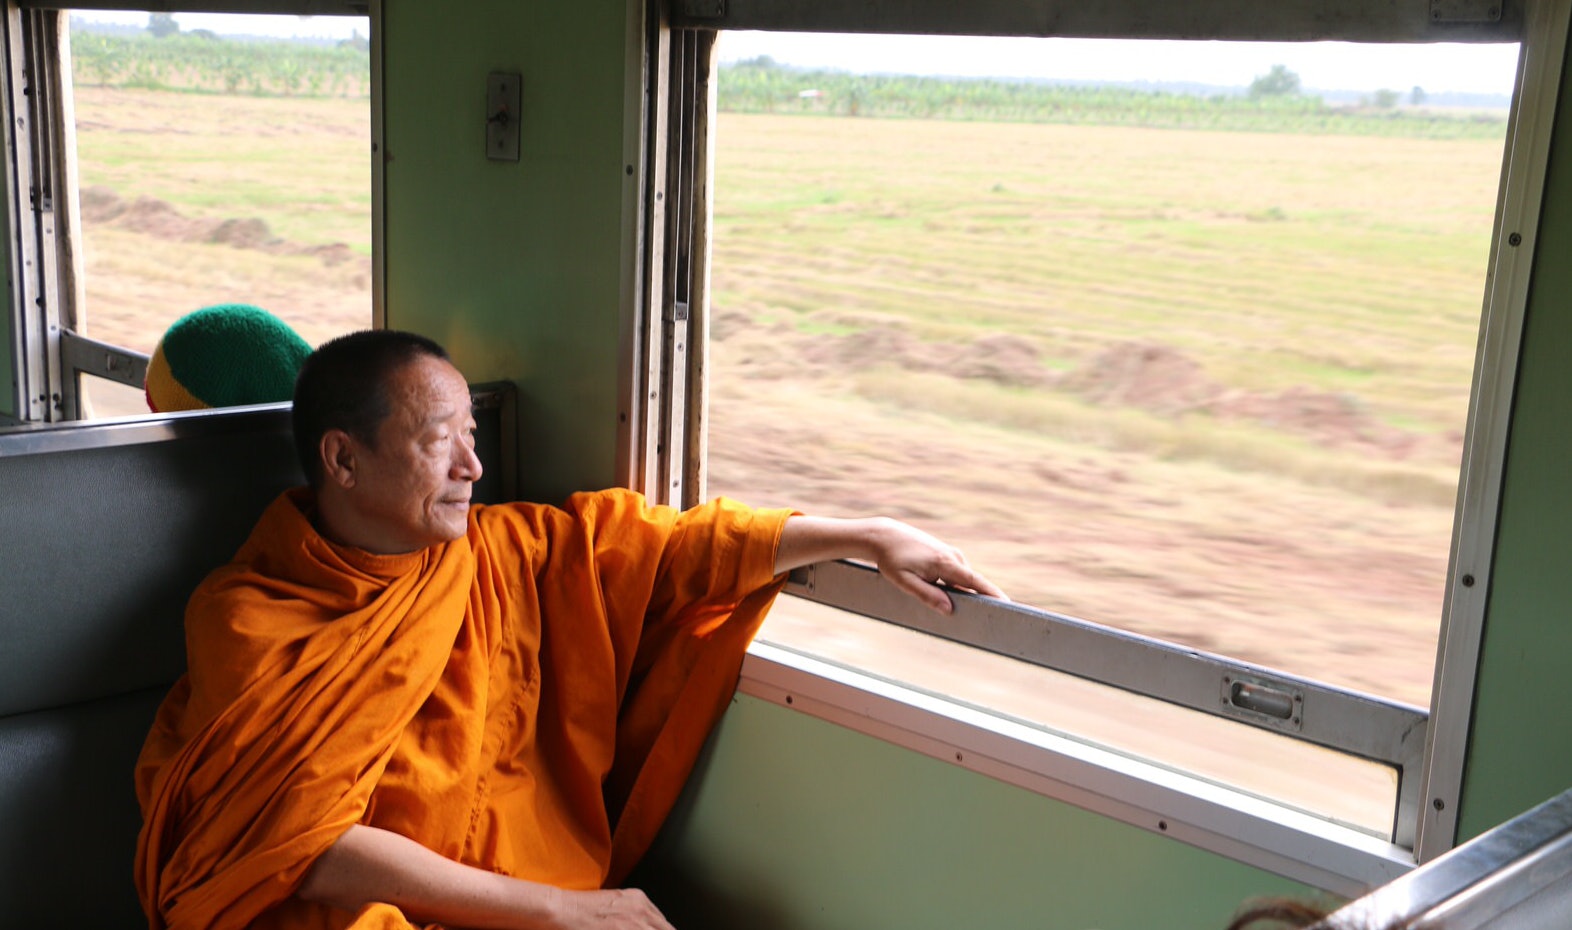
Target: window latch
{"type": "Point", "coordinates": [1276, 704]}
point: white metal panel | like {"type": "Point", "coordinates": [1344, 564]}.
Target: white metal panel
{"type": "Point", "coordinates": [1279, 839]}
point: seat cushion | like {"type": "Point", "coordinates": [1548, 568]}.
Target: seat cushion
{"type": "Point", "coordinates": [69, 812]}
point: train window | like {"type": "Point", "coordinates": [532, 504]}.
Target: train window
{"type": "Point", "coordinates": [218, 158]}
{"type": "Point", "coordinates": [1176, 338]}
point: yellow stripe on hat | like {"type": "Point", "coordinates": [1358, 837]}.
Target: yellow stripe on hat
{"type": "Point", "coordinates": [164, 392]}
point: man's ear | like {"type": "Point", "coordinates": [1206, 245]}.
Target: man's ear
{"type": "Point", "coordinates": [339, 462]}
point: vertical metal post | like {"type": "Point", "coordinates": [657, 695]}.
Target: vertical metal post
{"type": "Point", "coordinates": [40, 68]}
{"type": "Point", "coordinates": [648, 355]}
{"type": "Point", "coordinates": [701, 179]}
{"type": "Point", "coordinates": [677, 258]}
{"type": "Point", "coordinates": [60, 228]}
{"type": "Point", "coordinates": [1430, 824]}
{"type": "Point", "coordinates": [31, 387]}
{"type": "Point", "coordinates": [379, 284]}
{"type": "Point", "coordinates": [44, 277]}
{"type": "Point", "coordinates": [14, 402]}
{"type": "Point", "coordinates": [676, 299]}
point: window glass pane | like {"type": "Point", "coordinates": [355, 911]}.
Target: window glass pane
{"type": "Point", "coordinates": [221, 159]}
{"type": "Point", "coordinates": [1188, 354]}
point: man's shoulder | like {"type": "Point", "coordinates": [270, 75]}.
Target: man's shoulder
{"type": "Point", "coordinates": [577, 508]}
{"type": "Point", "coordinates": [580, 519]}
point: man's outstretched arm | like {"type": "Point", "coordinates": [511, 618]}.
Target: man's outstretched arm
{"type": "Point", "coordinates": [911, 559]}
{"type": "Point", "coordinates": [369, 865]}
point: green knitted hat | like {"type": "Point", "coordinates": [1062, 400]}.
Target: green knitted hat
{"type": "Point", "coordinates": [224, 356]}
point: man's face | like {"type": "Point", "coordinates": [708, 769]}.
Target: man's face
{"type": "Point", "coordinates": [411, 488]}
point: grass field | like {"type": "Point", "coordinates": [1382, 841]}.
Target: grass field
{"type": "Point", "coordinates": [303, 166]}
{"type": "Point", "coordinates": [1207, 385]}
{"type": "Point", "coordinates": [181, 166]}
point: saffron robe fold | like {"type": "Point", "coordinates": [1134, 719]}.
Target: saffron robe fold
{"type": "Point", "coordinates": [528, 699]}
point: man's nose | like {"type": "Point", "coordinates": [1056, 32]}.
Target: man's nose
{"type": "Point", "coordinates": [466, 467]}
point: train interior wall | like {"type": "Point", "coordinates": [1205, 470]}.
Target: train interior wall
{"type": "Point", "coordinates": [524, 271]}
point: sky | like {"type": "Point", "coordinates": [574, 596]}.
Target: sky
{"type": "Point", "coordinates": [1437, 68]}
{"type": "Point", "coordinates": [304, 27]}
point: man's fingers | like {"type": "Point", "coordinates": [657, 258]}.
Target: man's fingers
{"type": "Point", "coordinates": [931, 590]}
{"type": "Point", "coordinates": [924, 590]}
{"type": "Point", "coordinates": [924, 566]}
{"type": "Point", "coordinates": [617, 909]}
{"type": "Point", "coordinates": [954, 571]}
{"type": "Point", "coordinates": [972, 581]}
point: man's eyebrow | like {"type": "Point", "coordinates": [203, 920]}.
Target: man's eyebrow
{"type": "Point", "coordinates": [440, 415]}
{"type": "Point", "coordinates": [446, 413]}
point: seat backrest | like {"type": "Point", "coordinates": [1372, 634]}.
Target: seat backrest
{"type": "Point", "coordinates": [105, 529]}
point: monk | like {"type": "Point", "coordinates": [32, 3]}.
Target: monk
{"type": "Point", "coordinates": [404, 709]}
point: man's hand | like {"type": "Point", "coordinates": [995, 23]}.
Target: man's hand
{"type": "Point", "coordinates": [616, 909]}
{"type": "Point", "coordinates": [368, 865]}
{"type": "Point", "coordinates": [912, 560]}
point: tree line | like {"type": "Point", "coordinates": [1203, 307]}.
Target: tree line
{"type": "Point", "coordinates": [167, 59]}
{"type": "Point", "coordinates": [1273, 103]}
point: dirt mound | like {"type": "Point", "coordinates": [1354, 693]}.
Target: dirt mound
{"type": "Point", "coordinates": [100, 204]}
{"type": "Point", "coordinates": [1002, 358]}
{"type": "Point", "coordinates": [1163, 380]}
{"type": "Point", "coordinates": [766, 351]}
{"type": "Point", "coordinates": [863, 349]}
{"type": "Point", "coordinates": [154, 217]}
{"type": "Point", "coordinates": [1153, 377]}
{"type": "Point", "coordinates": [728, 323]}
{"type": "Point", "coordinates": [1337, 418]}
{"type": "Point", "coordinates": [336, 253]}
{"type": "Point", "coordinates": [249, 233]}
{"type": "Point", "coordinates": [151, 216]}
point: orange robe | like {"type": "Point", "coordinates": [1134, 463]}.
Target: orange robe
{"type": "Point", "coordinates": [528, 699]}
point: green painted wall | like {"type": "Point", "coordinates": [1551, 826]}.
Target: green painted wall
{"type": "Point", "coordinates": [516, 267]}
{"type": "Point", "coordinates": [797, 823]}
{"type": "Point", "coordinates": [522, 270]}
{"type": "Point", "coordinates": [1520, 749]}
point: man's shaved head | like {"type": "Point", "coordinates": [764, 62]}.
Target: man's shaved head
{"type": "Point", "coordinates": [344, 385]}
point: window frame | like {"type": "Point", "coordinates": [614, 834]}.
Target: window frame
{"type": "Point", "coordinates": [1471, 563]}
{"type": "Point", "coordinates": [1427, 747]}
{"type": "Point", "coordinates": [45, 353]}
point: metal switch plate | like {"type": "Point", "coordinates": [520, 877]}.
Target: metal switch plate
{"type": "Point", "coordinates": [503, 119]}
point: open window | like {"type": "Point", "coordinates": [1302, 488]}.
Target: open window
{"type": "Point", "coordinates": [171, 161]}
{"type": "Point", "coordinates": [1200, 376]}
